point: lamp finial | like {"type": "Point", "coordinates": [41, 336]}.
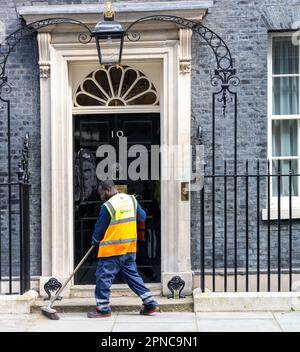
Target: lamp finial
{"type": "Point", "coordinates": [109, 13]}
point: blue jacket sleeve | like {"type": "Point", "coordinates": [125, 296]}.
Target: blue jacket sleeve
{"type": "Point", "coordinates": [141, 214]}
{"type": "Point", "coordinates": [101, 225]}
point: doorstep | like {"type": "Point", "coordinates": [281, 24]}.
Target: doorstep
{"type": "Point", "coordinates": [118, 304]}
{"type": "Point", "coordinates": [117, 290]}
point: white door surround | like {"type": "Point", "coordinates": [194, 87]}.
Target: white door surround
{"type": "Point", "coordinates": [175, 213]}
{"type": "Point", "coordinates": [170, 47]}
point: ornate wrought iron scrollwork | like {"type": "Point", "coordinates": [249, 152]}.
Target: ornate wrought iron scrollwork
{"type": "Point", "coordinates": [175, 284]}
{"type": "Point", "coordinates": [14, 38]}
{"type": "Point", "coordinates": [23, 173]}
{"type": "Point", "coordinates": [6, 48]}
{"type": "Point", "coordinates": [225, 72]}
{"type": "Point", "coordinates": [84, 38]}
{"type": "Point", "coordinates": [217, 44]}
{"type": "Point", "coordinates": [225, 80]}
{"type": "Point", "coordinates": [35, 26]}
{"type": "Point", "coordinates": [5, 88]}
{"type": "Point", "coordinates": [52, 285]}
{"type": "Point", "coordinates": [133, 36]}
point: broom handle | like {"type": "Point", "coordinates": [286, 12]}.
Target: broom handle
{"type": "Point", "coordinates": [70, 277]}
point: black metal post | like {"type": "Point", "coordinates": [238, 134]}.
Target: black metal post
{"type": "Point", "coordinates": [24, 189]}
{"type": "Point", "coordinates": [269, 230]}
{"type": "Point", "coordinates": [278, 223]}
{"type": "Point", "coordinates": [247, 227]}
{"type": "Point", "coordinates": [9, 197]}
{"type": "Point", "coordinates": [202, 238]}
{"type": "Point", "coordinates": [290, 228]}
{"type": "Point", "coordinates": [235, 231]}
{"type": "Point", "coordinates": [235, 191]}
{"type": "Point", "coordinates": [24, 237]}
{"type": "Point", "coordinates": [257, 226]}
{"type": "Point", "coordinates": [213, 194]}
{"type": "Point", "coordinates": [0, 245]}
{"type": "Point", "coordinates": [225, 226]}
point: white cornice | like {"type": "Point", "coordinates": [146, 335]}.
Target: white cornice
{"type": "Point", "coordinates": [126, 12]}
{"type": "Point", "coordinates": [122, 7]}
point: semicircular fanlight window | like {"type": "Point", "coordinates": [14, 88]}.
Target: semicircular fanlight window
{"type": "Point", "coordinates": [112, 86]}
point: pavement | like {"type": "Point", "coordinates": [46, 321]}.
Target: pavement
{"type": "Point", "coordinates": [160, 322]}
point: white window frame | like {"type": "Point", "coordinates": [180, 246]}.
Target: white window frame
{"type": "Point", "coordinates": [284, 200]}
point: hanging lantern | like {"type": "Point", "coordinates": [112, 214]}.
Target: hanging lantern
{"type": "Point", "coordinates": [109, 37]}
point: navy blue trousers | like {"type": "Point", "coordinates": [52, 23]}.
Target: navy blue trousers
{"type": "Point", "coordinates": [108, 268]}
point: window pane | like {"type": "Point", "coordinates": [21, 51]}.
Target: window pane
{"type": "Point", "coordinates": [285, 56]}
{"type": "Point", "coordinates": [284, 180]}
{"type": "Point", "coordinates": [285, 95]}
{"type": "Point", "coordinates": [284, 137]}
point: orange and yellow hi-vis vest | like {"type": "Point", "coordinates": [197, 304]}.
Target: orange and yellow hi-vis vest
{"type": "Point", "coordinates": [121, 234]}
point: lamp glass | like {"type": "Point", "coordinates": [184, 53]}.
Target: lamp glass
{"type": "Point", "coordinates": [109, 49]}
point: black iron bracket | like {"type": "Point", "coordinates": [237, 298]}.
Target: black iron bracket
{"type": "Point", "coordinates": [175, 284]}
{"type": "Point", "coordinates": [50, 286]}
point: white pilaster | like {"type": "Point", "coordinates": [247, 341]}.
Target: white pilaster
{"type": "Point", "coordinates": [177, 247]}
{"type": "Point", "coordinates": [45, 100]}
{"type": "Point", "coordinates": [185, 36]}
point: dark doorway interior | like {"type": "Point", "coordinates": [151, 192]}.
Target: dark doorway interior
{"type": "Point", "coordinates": [91, 131]}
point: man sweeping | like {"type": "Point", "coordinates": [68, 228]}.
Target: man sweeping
{"type": "Point", "coordinates": [116, 235]}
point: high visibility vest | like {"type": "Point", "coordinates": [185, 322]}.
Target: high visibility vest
{"type": "Point", "coordinates": [121, 234]}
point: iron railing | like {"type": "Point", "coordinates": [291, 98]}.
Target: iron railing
{"type": "Point", "coordinates": [15, 230]}
{"type": "Point", "coordinates": [247, 231]}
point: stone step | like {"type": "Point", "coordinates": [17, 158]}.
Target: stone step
{"type": "Point", "coordinates": [118, 304]}
{"type": "Point", "coordinates": [117, 290]}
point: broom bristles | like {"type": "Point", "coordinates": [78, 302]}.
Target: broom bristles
{"type": "Point", "coordinates": [50, 313]}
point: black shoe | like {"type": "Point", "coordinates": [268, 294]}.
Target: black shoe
{"type": "Point", "coordinates": [97, 314]}
{"type": "Point", "coordinates": [147, 310]}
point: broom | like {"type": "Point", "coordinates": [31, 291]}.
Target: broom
{"type": "Point", "coordinates": [48, 311]}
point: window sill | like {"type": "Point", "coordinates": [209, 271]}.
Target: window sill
{"type": "Point", "coordinates": [284, 213]}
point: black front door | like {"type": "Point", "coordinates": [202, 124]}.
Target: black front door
{"type": "Point", "coordinates": [90, 132]}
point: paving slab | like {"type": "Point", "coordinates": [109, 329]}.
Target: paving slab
{"type": "Point", "coordinates": [170, 317]}
{"type": "Point", "coordinates": [234, 315]}
{"type": "Point", "coordinates": [15, 327]}
{"type": "Point", "coordinates": [73, 326]}
{"type": "Point", "coordinates": [238, 325]}
{"type": "Point", "coordinates": [73, 322]}
{"type": "Point", "coordinates": [164, 322]}
{"type": "Point", "coordinates": [17, 323]}
{"type": "Point", "coordinates": [155, 327]}
{"type": "Point", "coordinates": [80, 317]}
{"type": "Point", "coordinates": [26, 317]}
{"type": "Point", "coordinates": [288, 321]}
